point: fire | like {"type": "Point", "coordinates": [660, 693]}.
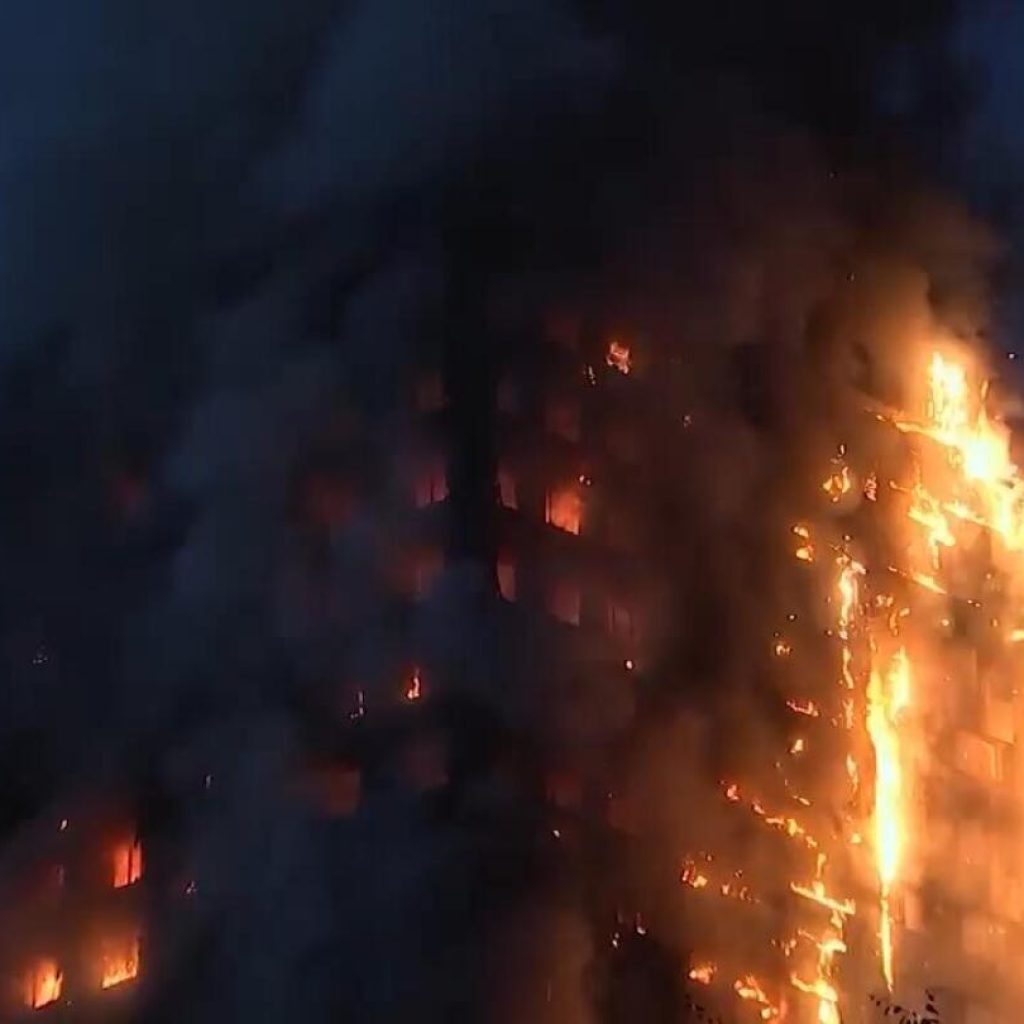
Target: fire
{"type": "Point", "coordinates": [565, 509]}
{"type": "Point", "coordinates": [887, 700]}
{"type": "Point", "coordinates": [618, 357]}
{"type": "Point", "coordinates": [43, 984]}
{"type": "Point", "coordinates": [749, 988]}
{"type": "Point", "coordinates": [120, 963]}
{"type": "Point", "coordinates": [837, 483]}
{"type": "Point", "coordinates": [703, 973]}
{"type": "Point", "coordinates": [127, 864]}
{"type": "Point", "coordinates": [414, 688]}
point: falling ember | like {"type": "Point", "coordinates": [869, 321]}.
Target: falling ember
{"type": "Point", "coordinates": [887, 699]}
{"type": "Point", "coordinates": [127, 864]}
{"type": "Point", "coordinates": [43, 984]}
{"type": "Point", "coordinates": [414, 689]}
{"type": "Point", "coordinates": [618, 357]}
{"type": "Point", "coordinates": [120, 963]}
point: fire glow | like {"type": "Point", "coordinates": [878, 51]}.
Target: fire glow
{"type": "Point", "coordinates": [889, 625]}
{"type": "Point", "coordinates": [127, 864]}
{"type": "Point", "coordinates": [43, 984]}
{"type": "Point", "coordinates": [119, 963]}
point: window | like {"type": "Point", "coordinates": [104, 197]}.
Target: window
{"type": "Point", "coordinates": [508, 395]}
{"type": "Point", "coordinates": [977, 757]}
{"type": "Point", "coordinates": [127, 863]}
{"type": "Point", "coordinates": [427, 568]}
{"type": "Point", "coordinates": [507, 488]}
{"type": "Point", "coordinates": [623, 443]}
{"type": "Point", "coordinates": [432, 482]}
{"type": "Point", "coordinates": [564, 509]}
{"type": "Point", "coordinates": [562, 327]}
{"type": "Point", "coordinates": [430, 392]}
{"type": "Point", "coordinates": [563, 417]}
{"type": "Point", "coordinates": [620, 619]}
{"type": "Point", "coordinates": [564, 602]}
{"type": "Point", "coordinates": [507, 577]}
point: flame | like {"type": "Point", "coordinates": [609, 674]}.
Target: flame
{"type": "Point", "coordinates": [837, 483]}
{"type": "Point", "coordinates": [414, 688]}
{"type": "Point", "coordinates": [43, 984]}
{"type": "Point", "coordinates": [127, 864]}
{"type": "Point", "coordinates": [749, 988]}
{"type": "Point", "coordinates": [120, 963]}
{"type": "Point", "coordinates": [618, 356]}
{"type": "Point", "coordinates": [703, 973]}
{"type": "Point", "coordinates": [565, 509]}
{"type": "Point", "coordinates": [887, 700]}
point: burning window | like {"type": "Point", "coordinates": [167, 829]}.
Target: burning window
{"type": "Point", "coordinates": [119, 961]}
{"type": "Point", "coordinates": [563, 417]}
{"type": "Point", "coordinates": [564, 601]}
{"type": "Point", "coordinates": [430, 392]}
{"type": "Point", "coordinates": [43, 984]}
{"type": "Point", "coordinates": [432, 482]}
{"type": "Point", "coordinates": [508, 395]}
{"type": "Point", "coordinates": [507, 493]}
{"type": "Point", "coordinates": [564, 509]}
{"type": "Point", "coordinates": [127, 863]}
{"type": "Point", "coordinates": [507, 577]}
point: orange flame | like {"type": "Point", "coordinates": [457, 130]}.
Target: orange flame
{"type": "Point", "coordinates": [43, 984]}
{"type": "Point", "coordinates": [618, 357]}
{"type": "Point", "coordinates": [886, 702]}
{"type": "Point", "coordinates": [127, 864]}
{"type": "Point", "coordinates": [120, 963]}
{"type": "Point", "coordinates": [414, 689]}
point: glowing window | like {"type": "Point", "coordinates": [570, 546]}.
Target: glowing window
{"type": "Point", "coordinates": [977, 757]}
{"type": "Point", "coordinates": [564, 602]}
{"type": "Point", "coordinates": [119, 961]}
{"type": "Point", "coordinates": [507, 578]}
{"type": "Point", "coordinates": [428, 565]}
{"type": "Point", "coordinates": [508, 395]}
{"type": "Point", "coordinates": [620, 620]}
{"type": "Point", "coordinates": [43, 984]}
{"type": "Point", "coordinates": [507, 493]}
{"type": "Point", "coordinates": [564, 509]}
{"type": "Point", "coordinates": [127, 864]}
{"type": "Point", "coordinates": [432, 483]}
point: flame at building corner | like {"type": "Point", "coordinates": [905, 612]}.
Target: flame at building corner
{"type": "Point", "coordinates": [888, 698]}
